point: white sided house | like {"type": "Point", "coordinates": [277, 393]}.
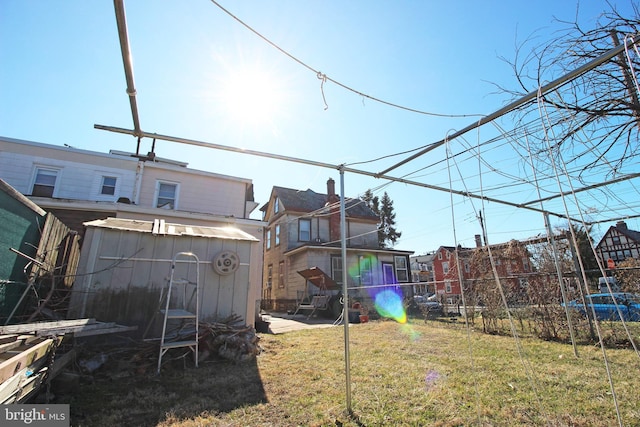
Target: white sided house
{"type": "Point", "coordinates": [81, 186]}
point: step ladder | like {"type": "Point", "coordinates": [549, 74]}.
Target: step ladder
{"type": "Point", "coordinates": [181, 313]}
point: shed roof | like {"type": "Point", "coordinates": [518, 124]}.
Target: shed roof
{"type": "Point", "coordinates": [162, 228]}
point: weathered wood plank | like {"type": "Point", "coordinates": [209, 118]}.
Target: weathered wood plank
{"type": "Point", "coordinates": [44, 326]}
{"type": "Point", "coordinates": [102, 331]}
{"type": "Point", "coordinates": [29, 355]}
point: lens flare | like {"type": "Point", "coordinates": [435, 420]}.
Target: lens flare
{"type": "Point", "coordinates": [388, 303]}
{"type": "Point", "coordinates": [361, 272]}
{"type": "Point", "coordinates": [431, 378]}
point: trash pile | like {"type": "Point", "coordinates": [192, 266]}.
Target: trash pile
{"type": "Point", "coordinates": [225, 340]}
{"type": "Point", "coordinates": [238, 344]}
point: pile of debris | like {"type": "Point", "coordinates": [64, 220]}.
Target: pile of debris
{"type": "Point", "coordinates": [227, 339]}
{"type": "Point", "coordinates": [238, 344]}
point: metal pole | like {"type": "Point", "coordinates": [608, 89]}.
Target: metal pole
{"type": "Point", "coordinates": [521, 101]}
{"type": "Point", "coordinates": [323, 165]}
{"type": "Point", "coordinates": [561, 282]}
{"type": "Point", "coordinates": [345, 293]}
{"type": "Point", "coordinates": [121, 20]}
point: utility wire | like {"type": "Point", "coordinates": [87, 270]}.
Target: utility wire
{"type": "Point", "coordinates": [323, 77]}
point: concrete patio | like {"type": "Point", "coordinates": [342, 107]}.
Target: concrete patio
{"type": "Point", "coordinates": [280, 323]}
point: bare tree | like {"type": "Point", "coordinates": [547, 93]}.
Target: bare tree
{"type": "Point", "coordinates": [592, 120]}
{"type": "Point", "coordinates": [628, 274]}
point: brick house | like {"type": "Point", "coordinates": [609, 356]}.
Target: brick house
{"type": "Point", "coordinates": [303, 233]}
{"type": "Point", "coordinates": [512, 264]}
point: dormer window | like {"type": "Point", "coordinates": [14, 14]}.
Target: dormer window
{"type": "Point", "coordinates": [276, 205]}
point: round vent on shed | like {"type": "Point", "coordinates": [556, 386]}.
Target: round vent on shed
{"type": "Point", "coordinates": [226, 262]}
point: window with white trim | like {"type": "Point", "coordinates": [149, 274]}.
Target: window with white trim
{"type": "Point", "coordinates": [402, 272]}
{"type": "Point", "coordinates": [277, 237]}
{"type": "Point", "coordinates": [268, 239]}
{"type": "Point", "coordinates": [447, 286]}
{"type": "Point", "coordinates": [108, 187]}
{"type": "Point", "coordinates": [445, 267]}
{"type": "Point", "coordinates": [281, 274]}
{"type": "Point", "coordinates": [366, 275]}
{"type": "Point", "coordinates": [166, 195]}
{"type": "Point", "coordinates": [336, 268]}
{"type": "Point", "coordinates": [304, 230]}
{"type": "Point", "coordinates": [276, 205]}
{"type": "Point", "coordinates": [45, 182]}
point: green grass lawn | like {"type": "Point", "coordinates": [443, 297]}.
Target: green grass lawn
{"type": "Point", "coordinates": [417, 374]}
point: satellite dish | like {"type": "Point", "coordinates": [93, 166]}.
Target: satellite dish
{"type": "Point", "coordinates": [225, 263]}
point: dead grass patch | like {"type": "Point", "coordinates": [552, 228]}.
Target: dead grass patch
{"type": "Point", "coordinates": [417, 374]}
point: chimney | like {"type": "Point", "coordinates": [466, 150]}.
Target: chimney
{"type": "Point", "coordinates": [621, 225]}
{"type": "Point", "coordinates": [478, 241]}
{"type": "Point", "coordinates": [331, 188]}
{"type": "Point", "coordinates": [333, 201]}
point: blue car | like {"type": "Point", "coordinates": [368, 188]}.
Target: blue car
{"type": "Point", "coordinates": [605, 308]}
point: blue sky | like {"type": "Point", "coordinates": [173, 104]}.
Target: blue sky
{"type": "Point", "coordinates": [62, 73]}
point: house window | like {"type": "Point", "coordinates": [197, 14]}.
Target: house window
{"type": "Point", "coordinates": [276, 205]}
{"type": "Point", "coordinates": [525, 264]}
{"type": "Point", "coordinates": [167, 195]}
{"type": "Point", "coordinates": [336, 269]}
{"type": "Point", "coordinates": [277, 237]}
{"type": "Point", "coordinates": [445, 267]}
{"type": "Point", "coordinates": [304, 230]}
{"type": "Point", "coordinates": [467, 267]}
{"type": "Point", "coordinates": [616, 240]}
{"type": "Point", "coordinates": [366, 276]}
{"type": "Point", "coordinates": [448, 255]}
{"type": "Point", "coordinates": [44, 183]}
{"type": "Point", "coordinates": [447, 286]}
{"type": "Point", "coordinates": [108, 185]}
{"type": "Point", "coordinates": [402, 273]}
{"type": "Point", "coordinates": [269, 276]}
{"type": "Point", "coordinates": [268, 242]}
{"type": "Point", "coordinates": [439, 255]}
{"type": "Point", "coordinates": [281, 275]}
